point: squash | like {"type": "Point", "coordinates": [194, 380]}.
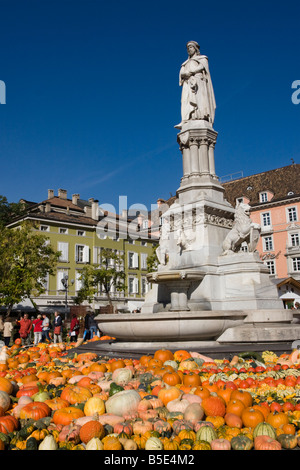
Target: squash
{"type": "Point", "coordinates": [31, 444]}
{"type": "Point", "coordinates": [206, 433]}
{"type": "Point", "coordinates": [220, 444]}
{"type": "Point", "coordinates": [154, 443]}
{"type": "Point", "coordinates": [241, 442]}
{"type": "Point", "coordinates": [122, 376]}
{"type": "Point", "coordinates": [266, 443]}
{"type": "Point", "coordinates": [264, 429]}
{"type": "Point", "coordinates": [287, 441]}
{"type": "Point", "coordinates": [94, 444]}
{"type": "Point", "coordinates": [123, 403]}
{"type": "Point", "coordinates": [48, 443]}
{"type": "Point", "coordinates": [201, 445]}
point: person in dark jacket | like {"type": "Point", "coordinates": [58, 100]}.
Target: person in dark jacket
{"type": "Point", "coordinates": [93, 326]}
{"type": "Point", "coordinates": [57, 328]}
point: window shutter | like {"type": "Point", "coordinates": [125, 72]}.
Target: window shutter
{"type": "Point", "coordinates": [59, 277]}
{"type": "Point", "coordinates": [136, 260]}
{"type": "Point", "coordinates": [78, 281]}
{"type": "Point", "coordinates": [63, 247]}
{"type": "Point", "coordinates": [86, 254]}
{"type": "Point", "coordinates": [135, 286]}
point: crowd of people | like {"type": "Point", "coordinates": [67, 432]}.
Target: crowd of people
{"type": "Point", "coordinates": [41, 329]}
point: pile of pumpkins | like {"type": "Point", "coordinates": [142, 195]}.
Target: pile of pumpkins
{"type": "Point", "coordinates": [51, 399]}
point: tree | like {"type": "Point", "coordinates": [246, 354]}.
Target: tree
{"type": "Point", "coordinates": [9, 210]}
{"type": "Point", "coordinates": [152, 260]}
{"type": "Point", "coordinates": [107, 274]}
{"type": "Point", "coordinates": [25, 260]}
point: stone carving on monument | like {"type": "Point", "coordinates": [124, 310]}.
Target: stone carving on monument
{"type": "Point", "coordinates": [243, 230]}
{"type": "Point", "coordinates": [205, 287]}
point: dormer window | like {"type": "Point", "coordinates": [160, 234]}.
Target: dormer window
{"type": "Point", "coordinates": [263, 197]}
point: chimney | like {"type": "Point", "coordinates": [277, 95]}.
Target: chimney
{"type": "Point", "coordinates": [62, 193]}
{"type": "Point", "coordinates": [95, 213]}
{"type": "Point", "coordinates": [75, 198]}
{"type": "Point", "coordinates": [50, 193]}
{"type": "Point", "coordinates": [160, 202]}
{"type": "Point", "coordinates": [48, 207]}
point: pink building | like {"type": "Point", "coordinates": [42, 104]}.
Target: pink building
{"type": "Point", "coordinates": [274, 197]}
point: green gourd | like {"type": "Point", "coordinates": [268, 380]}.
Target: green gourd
{"type": "Point", "coordinates": [241, 442]}
{"type": "Point", "coordinates": [206, 433]}
{"type": "Point", "coordinates": [264, 429]}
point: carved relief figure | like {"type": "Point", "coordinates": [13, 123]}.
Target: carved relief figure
{"type": "Point", "coordinates": [198, 99]}
{"type": "Point", "coordinates": [243, 230]}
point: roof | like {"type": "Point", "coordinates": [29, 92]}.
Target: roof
{"type": "Point", "coordinates": [283, 182]}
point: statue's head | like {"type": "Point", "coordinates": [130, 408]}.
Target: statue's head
{"type": "Point", "coordinates": [243, 209]}
{"type": "Point", "coordinates": [193, 48]}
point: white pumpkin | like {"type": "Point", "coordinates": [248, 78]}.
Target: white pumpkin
{"type": "Point", "coordinates": [94, 444]}
{"type": "Point", "coordinates": [4, 400]}
{"type": "Point", "coordinates": [122, 376]}
{"type": "Point", "coordinates": [153, 443]}
{"type": "Point", "coordinates": [48, 443]}
{"type": "Point", "coordinates": [171, 363]}
{"type": "Point", "coordinates": [123, 403]}
{"type": "Point", "coordinates": [177, 405]}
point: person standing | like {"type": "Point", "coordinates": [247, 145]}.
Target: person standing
{"type": "Point", "coordinates": [57, 328]}
{"type": "Point", "coordinates": [93, 326]}
{"type": "Point", "coordinates": [7, 331]}
{"type": "Point", "coordinates": [45, 329]}
{"type": "Point", "coordinates": [37, 329]}
{"type": "Point", "coordinates": [25, 327]}
{"type": "Point", "coordinates": [74, 328]}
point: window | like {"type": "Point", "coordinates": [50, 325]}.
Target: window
{"type": "Point", "coordinates": [80, 233]}
{"type": "Point", "coordinates": [292, 214]}
{"type": "Point", "coordinates": [145, 224]}
{"type": "Point", "coordinates": [63, 230]}
{"type": "Point", "coordinates": [44, 228]}
{"type": "Point", "coordinates": [268, 243]}
{"type": "Point", "coordinates": [266, 219]}
{"type": "Point", "coordinates": [82, 254]}
{"type": "Point", "coordinates": [143, 243]}
{"type": "Point", "coordinates": [263, 197]}
{"type": "Point", "coordinates": [296, 264]}
{"type": "Point", "coordinates": [271, 266]}
{"type": "Point", "coordinates": [133, 285]}
{"type": "Point", "coordinates": [64, 249]}
{"type": "Point", "coordinates": [295, 239]}
{"type": "Point", "coordinates": [133, 260]}
{"type": "Point", "coordinates": [144, 257]}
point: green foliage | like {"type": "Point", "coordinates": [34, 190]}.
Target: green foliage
{"type": "Point", "coordinates": [152, 260]}
{"type": "Point", "coordinates": [9, 210]}
{"type": "Point", "coordinates": [108, 273]}
{"type": "Point", "coordinates": [26, 259]}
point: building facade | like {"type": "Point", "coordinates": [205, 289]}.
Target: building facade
{"type": "Point", "coordinates": [274, 198]}
{"type": "Point", "coordinates": [80, 229]}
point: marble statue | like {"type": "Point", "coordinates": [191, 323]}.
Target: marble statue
{"type": "Point", "coordinates": [198, 99]}
{"type": "Point", "coordinates": [243, 230]}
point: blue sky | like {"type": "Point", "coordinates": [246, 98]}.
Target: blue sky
{"type": "Point", "coordinates": [92, 93]}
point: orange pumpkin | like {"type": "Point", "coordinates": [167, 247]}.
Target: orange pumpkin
{"type": "Point", "coordinates": [277, 419]}
{"type": "Point", "coordinates": [243, 396]}
{"type": "Point", "coordinates": [8, 424]}
{"type": "Point", "coordinates": [266, 443]}
{"type": "Point", "coordinates": [202, 392]}
{"type": "Point", "coordinates": [75, 394]}
{"type": "Point", "coordinates": [236, 407]}
{"type": "Point", "coordinates": [144, 360]}
{"type": "Point", "coordinates": [171, 378]}
{"type": "Point", "coordinates": [192, 379]}
{"type": "Point", "coordinates": [233, 420]}
{"type": "Point", "coordinates": [251, 417]}
{"type": "Point", "coordinates": [168, 394]}
{"type": "Point", "coordinates": [6, 385]}
{"type": "Point", "coordinates": [163, 355]}
{"type": "Point", "coordinates": [35, 410]}
{"type": "Point", "coordinates": [117, 364]}
{"type": "Point", "coordinates": [57, 403]}
{"type": "Point", "coordinates": [213, 406]}
{"type": "Point", "coordinates": [91, 429]}
{"type": "Point", "coordinates": [181, 355]}
{"type": "Point", "coordinates": [66, 415]}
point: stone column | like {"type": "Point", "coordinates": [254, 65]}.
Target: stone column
{"type": "Point", "coordinates": [211, 158]}
{"type": "Point", "coordinates": [194, 150]}
{"type": "Point", "coordinates": [203, 157]}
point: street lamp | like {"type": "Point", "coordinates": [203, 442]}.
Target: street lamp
{"type": "Point", "coordinates": [65, 283]}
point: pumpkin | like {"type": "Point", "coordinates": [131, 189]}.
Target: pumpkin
{"type": "Point", "coordinates": [57, 403]}
{"type": "Point", "coordinates": [163, 355]}
{"type": "Point", "coordinates": [193, 413]}
{"type": "Point", "coordinates": [171, 445]}
{"type": "Point", "coordinates": [264, 429]}
{"type": "Point", "coordinates": [251, 417]}
{"type": "Point", "coordinates": [153, 443]}
{"type": "Point", "coordinates": [181, 355]}
{"type": "Point", "coordinates": [213, 406]}
{"type": "Point", "coordinates": [162, 427]}
{"type": "Point", "coordinates": [187, 434]}
{"type": "Point", "coordinates": [111, 443]}
{"type": "Point", "coordinates": [168, 394]}
{"type": "Point", "coordinates": [277, 419]}
{"type": "Point", "coordinates": [94, 405]}
{"type": "Point", "coordinates": [4, 400]}
{"type": "Point", "coordinates": [122, 376]}
{"type": "Point", "coordinates": [28, 390]}
{"type": "Point", "coordinates": [8, 424]}
{"type": "Point", "coordinates": [171, 378]}
{"type": "Point", "coordinates": [6, 385]}
{"type": "Point", "coordinates": [287, 441]}
{"type": "Point", "coordinates": [75, 394]}
{"type": "Point", "coordinates": [236, 407]}
{"type": "Point", "coordinates": [125, 427]}
{"type": "Point", "coordinates": [217, 421]}
{"type": "Point", "coordinates": [220, 444]}
{"type": "Point", "coordinates": [123, 403]}
{"type": "Point", "coordinates": [48, 443]}
{"type": "Point", "coordinates": [35, 410]}
{"type": "Point", "coordinates": [242, 395]}
{"type": "Point", "coordinates": [39, 434]}
{"type": "Point", "coordinates": [66, 415]}
{"type": "Point", "coordinates": [241, 442]}
{"type": "Point", "coordinates": [141, 427]}
{"type": "Point", "coordinates": [117, 364]}
{"type": "Point", "coordinates": [206, 433]}
{"type": "Point", "coordinates": [181, 424]}
{"type": "Point", "coordinates": [266, 443]}
{"type": "Point", "coordinates": [94, 444]}
{"type": "Point", "coordinates": [192, 379]}
{"type": "Point", "coordinates": [201, 445]}
{"type": "Point", "coordinates": [90, 430]}
{"type": "Point", "coordinates": [233, 420]}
